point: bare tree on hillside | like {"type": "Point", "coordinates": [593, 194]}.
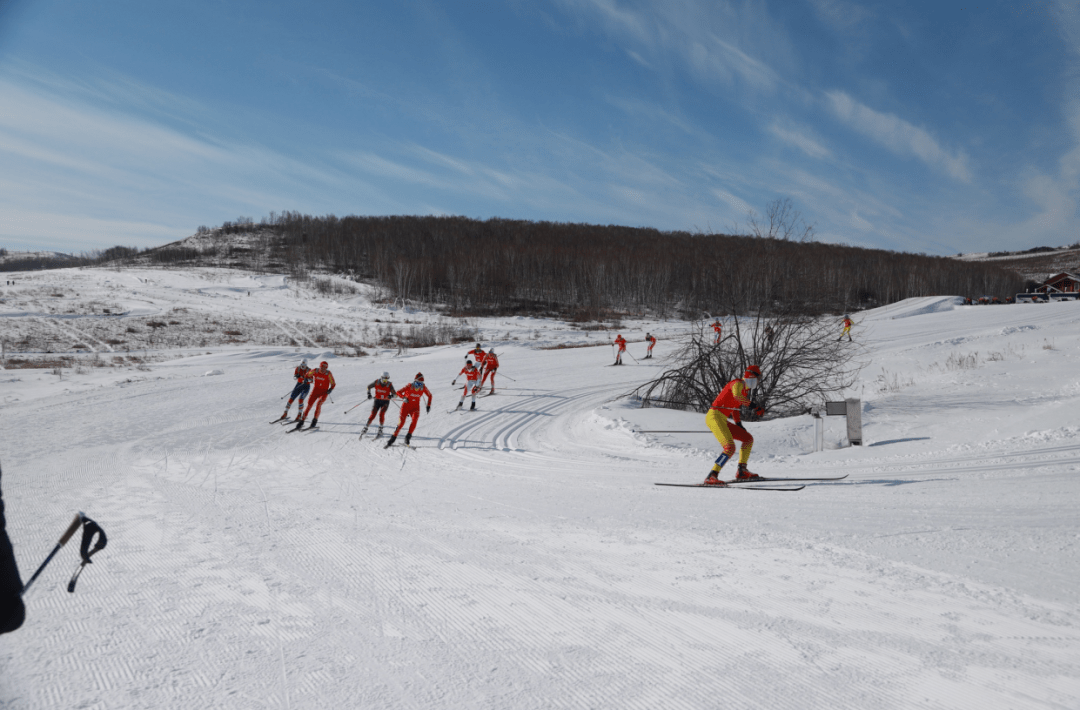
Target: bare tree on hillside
{"type": "Point", "coordinates": [781, 221]}
{"type": "Point", "coordinates": [802, 363]}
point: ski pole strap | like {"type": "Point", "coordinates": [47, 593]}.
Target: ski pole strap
{"type": "Point", "coordinates": [90, 529]}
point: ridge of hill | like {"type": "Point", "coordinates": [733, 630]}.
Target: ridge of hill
{"type": "Point", "coordinates": [1036, 264]}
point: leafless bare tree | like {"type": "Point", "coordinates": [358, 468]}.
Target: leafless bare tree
{"type": "Point", "coordinates": [802, 363]}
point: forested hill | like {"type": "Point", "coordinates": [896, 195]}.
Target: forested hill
{"type": "Point", "coordinates": [513, 266]}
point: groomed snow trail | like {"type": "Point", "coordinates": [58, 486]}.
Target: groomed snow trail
{"type": "Point", "coordinates": [520, 557]}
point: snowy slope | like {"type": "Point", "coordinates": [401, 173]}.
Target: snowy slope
{"type": "Point", "coordinates": [520, 557]}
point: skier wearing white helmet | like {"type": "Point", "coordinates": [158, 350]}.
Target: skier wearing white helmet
{"type": "Point", "coordinates": [384, 392]}
{"type": "Point", "coordinates": [302, 375]}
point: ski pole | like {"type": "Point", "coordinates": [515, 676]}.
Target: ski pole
{"type": "Point", "coordinates": [352, 408]}
{"type": "Point", "coordinates": [63, 541]}
{"type": "Point", "coordinates": [285, 395]}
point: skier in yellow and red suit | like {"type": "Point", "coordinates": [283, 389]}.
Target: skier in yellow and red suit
{"type": "Point", "coordinates": [718, 331]}
{"type": "Point", "coordinates": [322, 384]}
{"type": "Point", "coordinates": [412, 394]}
{"type": "Point", "coordinates": [847, 329]}
{"type": "Point", "coordinates": [725, 421]}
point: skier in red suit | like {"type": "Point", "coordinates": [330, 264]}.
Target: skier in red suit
{"type": "Point", "coordinates": [472, 383]}
{"type": "Point", "coordinates": [384, 392]}
{"type": "Point", "coordinates": [621, 342]}
{"type": "Point", "coordinates": [718, 331]}
{"type": "Point", "coordinates": [651, 340]}
{"type": "Point", "coordinates": [322, 384]}
{"type": "Point", "coordinates": [412, 394]}
{"type": "Point", "coordinates": [491, 364]}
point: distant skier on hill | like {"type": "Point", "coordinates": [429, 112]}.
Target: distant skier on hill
{"type": "Point", "coordinates": [322, 384]}
{"type": "Point", "coordinates": [384, 392]}
{"type": "Point", "coordinates": [651, 340]}
{"type": "Point", "coordinates": [718, 331]}
{"type": "Point", "coordinates": [302, 375]}
{"type": "Point", "coordinates": [725, 421]}
{"type": "Point", "coordinates": [472, 383]}
{"type": "Point", "coordinates": [847, 329]}
{"type": "Point", "coordinates": [412, 394]}
{"type": "Point", "coordinates": [621, 342]}
{"type": "Point", "coordinates": [491, 364]}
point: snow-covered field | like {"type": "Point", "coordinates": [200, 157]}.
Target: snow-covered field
{"type": "Point", "coordinates": [520, 556]}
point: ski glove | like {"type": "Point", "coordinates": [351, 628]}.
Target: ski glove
{"type": "Point", "coordinates": [369, 394]}
{"type": "Point", "coordinates": [429, 408]}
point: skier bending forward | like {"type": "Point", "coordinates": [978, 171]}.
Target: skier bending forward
{"type": "Point", "coordinates": [384, 391]}
{"type": "Point", "coordinates": [727, 406]}
{"type": "Point", "coordinates": [412, 394]}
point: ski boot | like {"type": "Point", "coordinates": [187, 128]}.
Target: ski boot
{"type": "Point", "coordinates": [393, 438]}
{"type": "Point", "coordinates": [713, 479]}
{"type": "Point", "coordinates": [363, 431]}
{"type": "Point", "coordinates": [408, 438]}
{"type": "Point", "coordinates": [473, 407]}
{"type": "Point", "coordinates": [378, 434]}
{"type": "Point", "coordinates": [460, 404]}
{"type": "Point", "coordinates": [746, 474]}
{"type": "Point", "coordinates": [314, 422]}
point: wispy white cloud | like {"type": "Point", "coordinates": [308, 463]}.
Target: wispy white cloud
{"type": "Point", "coordinates": [898, 135]}
{"type": "Point", "coordinates": [713, 39]}
{"type": "Point", "coordinates": [741, 206]}
{"type": "Point", "coordinates": [841, 15]}
{"type": "Point", "coordinates": [800, 137]}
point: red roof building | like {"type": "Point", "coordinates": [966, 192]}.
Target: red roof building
{"type": "Point", "coordinates": [1062, 283]}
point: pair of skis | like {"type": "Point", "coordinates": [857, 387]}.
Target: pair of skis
{"type": "Point", "coordinates": [299, 425]}
{"type": "Point", "coordinates": [743, 485]}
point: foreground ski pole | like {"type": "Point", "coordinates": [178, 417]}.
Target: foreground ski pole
{"type": "Point", "coordinates": [63, 541]}
{"type": "Point", "coordinates": [352, 408]}
{"type": "Point", "coordinates": [90, 528]}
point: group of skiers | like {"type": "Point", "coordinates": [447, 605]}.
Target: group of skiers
{"type": "Point", "coordinates": [620, 343]}
{"type": "Point", "coordinates": [315, 385]}
{"type": "Point", "coordinates": [724, 418]}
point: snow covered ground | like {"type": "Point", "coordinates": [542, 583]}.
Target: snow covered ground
{"type": "Point", "coordinates": [520, 556]}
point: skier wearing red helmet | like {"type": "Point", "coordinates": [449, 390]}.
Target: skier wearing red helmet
{"type": "Point", "coordinates": [725, 421]}
{"type": "Point", "coordinates": [322, 384]}
{"type": "Point", "coordinates": [411, 394]}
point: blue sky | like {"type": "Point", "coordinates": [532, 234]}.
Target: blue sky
{"type": "Point", "coordinates": [926, 127]}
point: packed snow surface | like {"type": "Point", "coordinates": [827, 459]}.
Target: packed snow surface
{"type": "Point", "coordinates": [520, 556]}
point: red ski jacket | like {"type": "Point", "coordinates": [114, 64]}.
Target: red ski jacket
{"type": "Point", "coordinates": [731, 398]}
{"type": "Point", "coordinates": [321, 381]}
{"type": "Point", "coordinates": [383, 390]}
{"type": "Point", "coordinates": [412, 396]}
